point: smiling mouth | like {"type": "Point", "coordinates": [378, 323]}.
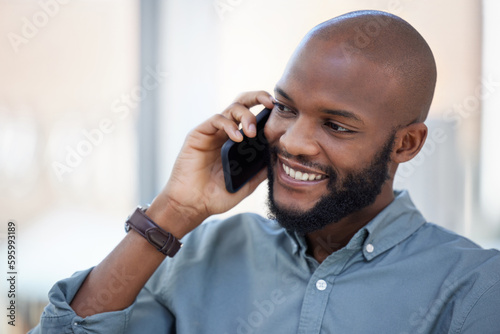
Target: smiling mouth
{"type": "Point", "coordinates": [302, 175]}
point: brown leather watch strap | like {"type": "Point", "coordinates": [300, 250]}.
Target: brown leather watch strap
{"type": "Point", "coordinates": [163, 241]}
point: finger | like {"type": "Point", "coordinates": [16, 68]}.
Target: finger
{"type": "Point", "coordinates": [266, 99]}
{"type": "Point", "coordinates": [254, 98]}
{"type": "Point", "coordinates": [241, 114]}
{"type": "Point", "coordinates": [219, 122]}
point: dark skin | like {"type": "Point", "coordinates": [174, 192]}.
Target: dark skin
{"type": "Point", "coordinates": [331, 112]}
{"type": "Point", "coordinates": [327, 96]}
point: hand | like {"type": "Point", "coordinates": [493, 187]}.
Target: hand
{"type": "Point", "coordinates": [196, 187]}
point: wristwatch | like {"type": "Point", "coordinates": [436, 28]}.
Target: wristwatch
{"type": "Point", "coordinates": [163, 241]}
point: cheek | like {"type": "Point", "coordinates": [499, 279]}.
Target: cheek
{"type": "Point", "coordinates": [349, 155]}
{"type": "Point", "coordinates": [274, 129]}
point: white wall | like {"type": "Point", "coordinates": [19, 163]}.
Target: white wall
{"type": "Point", "coordinates": [62, 80]}
{"type": "Point", "coordinates": [490, 136]}
{"type": "Point", "coordinates": [217, 49]}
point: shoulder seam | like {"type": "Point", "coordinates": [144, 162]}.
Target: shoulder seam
{"type": "Point", "coordinates": [459, 330]}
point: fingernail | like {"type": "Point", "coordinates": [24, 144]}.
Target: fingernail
{"type": "Point", "coordinates": [238, 135]}
{"type": "Point", "coordinates": [252, 129]}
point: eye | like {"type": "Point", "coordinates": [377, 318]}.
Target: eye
{"type": "Point", "coordinates": [337, 128]}
{"type": "Point", "coordinates": [283, 109]}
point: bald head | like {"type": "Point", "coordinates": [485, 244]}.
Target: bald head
{"type": "Point", "coordinates": [392, 45]}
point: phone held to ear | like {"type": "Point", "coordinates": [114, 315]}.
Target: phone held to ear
{"type": "Point", "coordinates": [242, 161]}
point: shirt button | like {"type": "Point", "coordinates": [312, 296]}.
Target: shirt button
{"type": "Point", "coordinates": [370, 248]}
{"type": "Point", "coordinates": [321, 285]}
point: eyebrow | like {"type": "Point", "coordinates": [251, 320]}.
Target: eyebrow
{"type": "Point", "coordinates": [341, 113]}
{"type": "Point", "coordinates": [344, 113]}
{"type": "Point", "coordinates": [282, 93]}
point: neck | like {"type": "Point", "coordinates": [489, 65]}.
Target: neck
{"type": "Point", "coordinates": [334, 236]}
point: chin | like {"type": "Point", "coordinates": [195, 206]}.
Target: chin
{"type": "Point", "coordinates": [294, 201]}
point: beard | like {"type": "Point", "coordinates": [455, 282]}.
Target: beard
{"type": "Point", "coordinates": [355, 192]}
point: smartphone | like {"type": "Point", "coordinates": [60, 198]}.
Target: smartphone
{"type": "Point", "coordinates": [242, 161]}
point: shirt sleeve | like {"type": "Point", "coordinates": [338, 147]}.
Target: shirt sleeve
{"type": "Point", "coordinates": [145, 315]}
{"type": "Point", "coordinates": [484, 315]}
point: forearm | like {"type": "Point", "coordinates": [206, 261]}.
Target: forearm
{"type": "Point", "coordinates": [115, 283]}
{"type": "Point", "coordinates": [194, 191]}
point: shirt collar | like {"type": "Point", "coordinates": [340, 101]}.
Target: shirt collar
{"type": "Point", "coordinates": [393, 224]}
{"type": "Point", "coordinates": [298, 242]}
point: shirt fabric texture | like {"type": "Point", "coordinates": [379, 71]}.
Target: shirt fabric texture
{"type": "Point", "coordinates": [245, 274]}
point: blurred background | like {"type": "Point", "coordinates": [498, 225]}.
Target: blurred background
{"type": "Point", "coordinates": [96, 97]}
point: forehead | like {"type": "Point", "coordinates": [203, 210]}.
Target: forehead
{"type": "Point", "coordinates": [330, 74]}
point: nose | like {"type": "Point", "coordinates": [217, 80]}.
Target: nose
{"type": "Point", "coordinates": [300, 138]}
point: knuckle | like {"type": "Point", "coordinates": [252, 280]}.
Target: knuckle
{"type": "Point", "coordinates": [217, 118]}
{"type": "Point", "coordinates": [242, 96]}
{"type": "Point", "coordinates": [231, 108]}
{"type": "Point", "coordinates": [250, 117]}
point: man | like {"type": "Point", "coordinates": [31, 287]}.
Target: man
{"type": "Point", "coordinates": [345, 254]}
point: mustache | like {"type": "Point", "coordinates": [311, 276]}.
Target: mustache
{"type": "Point", "coordinates": [274, 151]}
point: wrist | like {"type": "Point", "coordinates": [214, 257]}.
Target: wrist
{"type": "Point", "coordinates": [171, 216]}
{"type": "Point", "coordinates": [162, 240]}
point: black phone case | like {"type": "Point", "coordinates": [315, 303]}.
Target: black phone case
{"type": "Point", "coordinates": [242, 161]}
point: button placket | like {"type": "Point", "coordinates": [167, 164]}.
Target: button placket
{"type": "Point", "coordinates": [315, 303]}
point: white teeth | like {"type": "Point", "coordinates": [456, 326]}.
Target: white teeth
{"type": "Point", "coordinates": [301, 176]}
{"type": "Point", "coordinates": [286, 168]}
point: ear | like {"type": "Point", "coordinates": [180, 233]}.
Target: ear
{"type": "Point", "coordinates": [409, 141]}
